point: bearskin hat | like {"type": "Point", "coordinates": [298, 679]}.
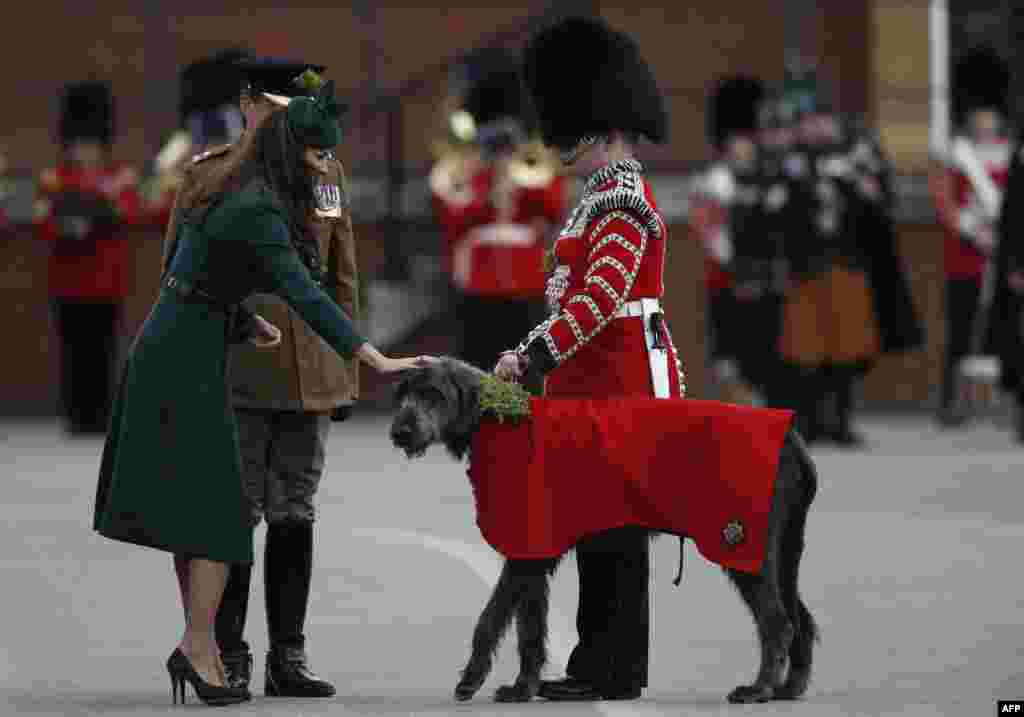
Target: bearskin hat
{"type": "Point", "coordinates": [86, 113]}
{"type": "Point", "coordinates": [733, 108]}
{"type": "Point", "coordinates": [587, 79]}
{"type": "Point", "coordinates": [980, 79]}
{"type": "Point", "coordinates": [212, 82]}
{"type": "Point", "coordinates": [498, 93]}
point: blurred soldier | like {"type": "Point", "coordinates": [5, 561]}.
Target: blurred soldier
{"type": "Point", "coordinates": [968, 195]}
{"type": "Point", "coordinates": [736, 217]}
{"type": "Point", "coordinates": [85, 203]}
{"type": "Point", "coordinates": [209, 116]}
{"type": "Point", "coordinates": [843, 268]}
{"type": "Point", "coordinates": [1005, 323]}
{"type": "Point", "coordinates": [284, 399]}
{"type": "Point", "coordinates": [497, 213]}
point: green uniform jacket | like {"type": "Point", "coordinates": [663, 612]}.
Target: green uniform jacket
{"type": "Point", "coordinates": [302, 373]}
{"type": "Point", "coordinates": [170, 477]}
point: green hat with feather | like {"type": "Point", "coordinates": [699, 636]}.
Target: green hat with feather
{"type": "Point", "coordinates": [315, 120]}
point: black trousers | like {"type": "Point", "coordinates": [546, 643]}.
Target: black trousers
{"type": "Point", "coordinates": [87, 332]}
{"type": "Point", "coordinates": [489, 325]}
{"type": "Point", "coordinates": [747, 331]}
{"type": "Point", "coordinates": [613, 619]}
{"type": "Point", "coordinates": [961, 310]}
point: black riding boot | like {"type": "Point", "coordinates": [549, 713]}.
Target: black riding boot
{"type": "Point", "coordinates": [288, 567]}
{"type": "Point", "coordinates": [1020, 415]}
{"type": "Point", "coordinates": [802, 391]}
{"type": "Point", "coordinates": [230, 626]}
{"type": "Point", "coordinates": [843, 380]}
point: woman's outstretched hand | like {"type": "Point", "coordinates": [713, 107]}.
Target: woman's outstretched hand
{"type": "Point", "coordinates": [265, 335]}
{"type": "Point", "coordinates": [394, 365]}
{"type": "Point", "coordinates": [386, 364]}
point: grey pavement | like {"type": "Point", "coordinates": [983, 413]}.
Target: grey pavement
{"type": "Point", "coordinates": [913, 570]}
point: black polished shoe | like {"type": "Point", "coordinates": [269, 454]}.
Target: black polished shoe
{"type": "Point", "coordinates": [288, 675]}
{"type": "Point", "coordinates": [237, 668]}
{"type": "Point", "coordinates": [572, 689]}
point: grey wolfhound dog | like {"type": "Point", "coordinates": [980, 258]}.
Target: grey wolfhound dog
{"type": "Point", "coordinates": [439, 404]}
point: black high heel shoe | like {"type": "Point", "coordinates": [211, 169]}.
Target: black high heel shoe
{"type": "Point", "coordinates": [181, 671]}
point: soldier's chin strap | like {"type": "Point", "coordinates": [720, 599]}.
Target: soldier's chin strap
{"type": "Point", "coordinates": [682, 554]}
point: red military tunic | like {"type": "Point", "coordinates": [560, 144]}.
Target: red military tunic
{"type": "Point", "coordinates": [959, 208]}
{"type": "Point", "coordinates": [493, 255]}
{"type": "Point", "coordinates": [609, 255]}
{"type": "Point", "coordinates": [709, 219]}
{"type": "Point", "coordinates": [95, 265]}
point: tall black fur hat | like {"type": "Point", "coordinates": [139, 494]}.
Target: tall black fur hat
{"type": "Point", "coordinates": [212, 82]}
{"type": "Point", "coordinates": [86, 113]}
{"type": "Point", "coordinates": [587, 79]}
{"type": "Point", "coordinates": [498, 94]}
{"type": "Point", "coordinates": [733, 108]}
{"type": "Point", "coordinates": [980, 79]}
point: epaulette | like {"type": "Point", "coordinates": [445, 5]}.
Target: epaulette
{"type": "Point", "coordinates": [627, 194]}
{"type": "Point", "coordinates": [214, 152]}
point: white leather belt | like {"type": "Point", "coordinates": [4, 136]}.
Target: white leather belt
{"type": "Point", "coordinates": [657, 349]}
{"type": "Point", "coordinates": [636, 308]}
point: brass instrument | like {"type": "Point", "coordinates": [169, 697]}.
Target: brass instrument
{"type": "Point", "coordinates": [459, 156]}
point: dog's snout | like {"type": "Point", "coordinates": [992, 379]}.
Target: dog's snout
{"type": "Point", "coordinates": [401, 432]}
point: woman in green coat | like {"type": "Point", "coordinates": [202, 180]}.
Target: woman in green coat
{"type": "Point", "coordinates": [171, 473]}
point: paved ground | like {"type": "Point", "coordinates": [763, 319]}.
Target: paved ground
{"type": "Point", "coordinates": [913, 570]}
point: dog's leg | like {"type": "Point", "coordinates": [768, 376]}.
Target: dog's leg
{"type": "Point", "coordinates": [490, 628]}
{"type": "Point", "coordinates": [762, 593]}
{"type": "Point", "coordinates": [532, 626]}
{"type": "Point", "coordinates": [792, 548]}
{"type": "Point", "coordinates": [774, 631]}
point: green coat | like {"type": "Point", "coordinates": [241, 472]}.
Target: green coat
{"type": "Point", "coordinates": [170, 477]}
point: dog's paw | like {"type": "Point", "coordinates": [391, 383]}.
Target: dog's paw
{"type": "Point", "coordinates": [468, 687]}
{"type": "Point", "coordinates": [519, 692]}
{"type": "Point", "coordinates": [795, 685]}
{"type": "Point", "coordinates": [750, 694]}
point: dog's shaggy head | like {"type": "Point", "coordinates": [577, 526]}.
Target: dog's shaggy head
{"type": "Point", "coordinates": [437, 404]}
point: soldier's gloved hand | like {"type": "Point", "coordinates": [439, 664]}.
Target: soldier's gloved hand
{"type": "Point", "coordinates": [510, 366]}
{"type": "Point", "coordinates": [341, 413]}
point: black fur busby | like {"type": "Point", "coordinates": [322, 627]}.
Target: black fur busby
{"type": "Point", "coordinates": [497, 95]}
{"type": "Point", "coordinates": [587, 79]}
{"type": "Point", "coordinates": [733, 108]}
{"type": "Point", "coordinates": [981, 79]}
{"type": "Point", "coordinates": [212, 82]}
{"type": "Point", "coordinates": [86, 113]}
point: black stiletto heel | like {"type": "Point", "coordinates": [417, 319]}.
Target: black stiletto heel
{"type": "Point", "coordinates": [181, 671]}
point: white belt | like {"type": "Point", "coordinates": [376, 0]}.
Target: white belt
{"type": "Point", "coordinates": [658, 358]}
{"type": "Point", "coordinates": [638, 307]}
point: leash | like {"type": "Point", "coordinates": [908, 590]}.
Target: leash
{"type": "Point", "coordinates": [682, 553]}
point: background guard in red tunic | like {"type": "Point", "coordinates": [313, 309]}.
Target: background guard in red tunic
{"type": "Point", "coordinates": [595, 96]}
{"type": "Point", "coordinates": [968, 196]}
{"type": "Point", "coordinates": [497, 209]}
{"type": "Point", "coordinates": [85, 203]}
{"type": "Point", "coordinates": [718, 201]}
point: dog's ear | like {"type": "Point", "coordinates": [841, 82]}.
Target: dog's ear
{"type": "Point", "coordinates": [404, 385]}
{"type": "Point", "coordinates": [466, 387]}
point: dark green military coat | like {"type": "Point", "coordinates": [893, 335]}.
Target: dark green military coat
{"type": "Point", "coordinates": [171, 473]}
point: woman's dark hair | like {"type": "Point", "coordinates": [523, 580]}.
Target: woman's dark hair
{"type": "Point", "coordinates": [274, 156]}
